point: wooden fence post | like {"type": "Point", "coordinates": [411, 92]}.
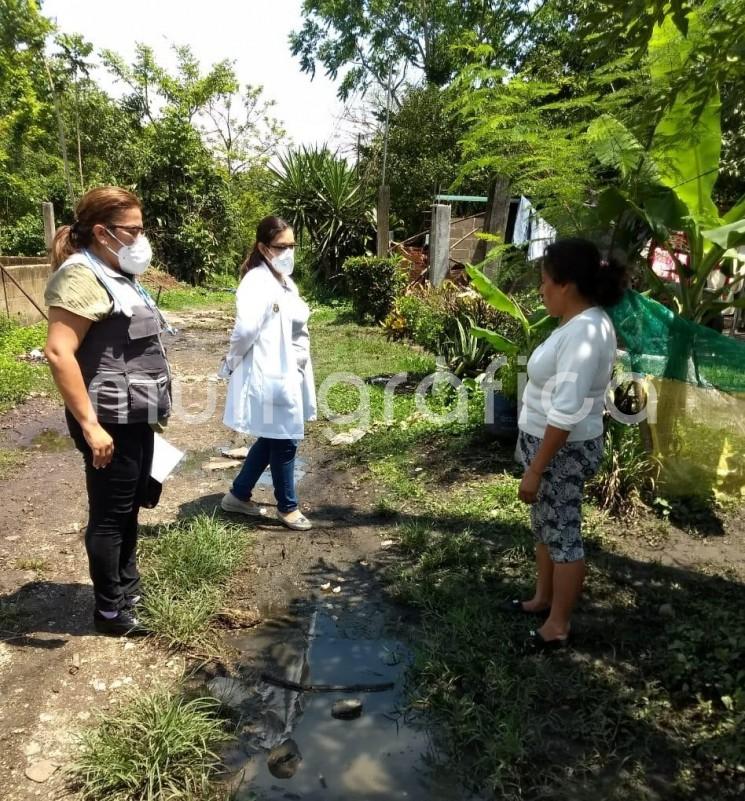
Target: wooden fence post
{"type": "Point", "coordinates": [495, 222]}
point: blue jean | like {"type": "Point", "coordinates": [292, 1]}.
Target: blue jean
{"type": "Point", "coordinates": [279, 456]}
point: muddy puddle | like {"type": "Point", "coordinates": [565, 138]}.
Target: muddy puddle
{"type": "Point", "coordinates": [49, 435]}
{"type": "Point", "coordinates": [290, 745]}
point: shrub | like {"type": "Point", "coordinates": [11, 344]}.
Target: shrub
{"type": "Point", "coordinates": [25, 237]}
{"type": "Point", "coordinates": [373, 285]}
{"type": "Point", "coordinates": [323, 199]}
{"type": "Point", "coordinates": [19, 378]}
{"type": "Point", "coordinates": [626, 473]}
{"type": "Point", "coordinates": [439, 320]}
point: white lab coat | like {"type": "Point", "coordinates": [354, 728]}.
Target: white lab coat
{"type": "Point", "coordinates": [270, 392]}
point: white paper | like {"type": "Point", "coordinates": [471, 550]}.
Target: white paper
{"type": "Point", "coordinates": [165, 459]}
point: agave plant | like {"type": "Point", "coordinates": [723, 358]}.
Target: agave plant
{"type": "Point", "coordinates": [322, 198]}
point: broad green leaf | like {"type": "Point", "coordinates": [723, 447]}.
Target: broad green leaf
{"type": "Point", "coordinates": [727, 236]}
{"type": "Point", "coordinates": [686, 150]}
{"type": "Point", "coordinates": [497, 341]}
{"type": "Point", "coordinates": [494, 296]}
{"type": "Point", "coordinates": [737, 212]}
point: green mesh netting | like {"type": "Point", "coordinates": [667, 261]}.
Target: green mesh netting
{"type": "Point", "coordinates": [664, 345]}
{"type": "Point", "coordinates": [694, 381]}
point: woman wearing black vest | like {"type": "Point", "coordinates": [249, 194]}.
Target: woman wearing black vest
{"type": "Point", "coordinates": [107, 359]}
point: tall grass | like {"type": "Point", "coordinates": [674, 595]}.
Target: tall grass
{"type": "Point", "coordinates": [186, 567]}
{"type": "Point", "coordinates": [159, 747]}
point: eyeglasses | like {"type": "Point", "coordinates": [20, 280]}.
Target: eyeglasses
{"type": "Point", "coordinates": [132, 230]}
{"type": "Point", "coordinates": [282, 248]}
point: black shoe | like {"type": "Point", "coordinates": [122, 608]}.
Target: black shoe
{"type": "Point", "coordinates": [132, 601]}
{"type": "Point", "coordinates": [125, 624]}
{"type": "Point", "coordinates": [516, 605]}
{"type": "Point", "coordinates": [537, 643]}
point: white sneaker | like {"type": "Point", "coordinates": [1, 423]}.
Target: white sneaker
{"type": "Point", "coordinates": [230, 503]}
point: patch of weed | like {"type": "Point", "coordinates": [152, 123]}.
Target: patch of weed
{"type": "Point", "coordinates": [186, 567]}
{"type": "Point", "coordinates": [159, 746]}
{"type": "Point", "coordinates": [18, 379]}
{"type": "Point", "coordinates": [31, 563]}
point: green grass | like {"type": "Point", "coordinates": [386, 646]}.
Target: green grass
{"type": "Point", "coordinates": [158, 747]}
{"type": "Point", "coordinates": [18, 379]}
{"type": "Point", "coordinates": [187, 297]}
{"type": "Point", "coordinates": [186, 567]}
{"type": "Point", "coordinates": [646, 706]}
{"type": "Point", "coordinates": [10, 461]}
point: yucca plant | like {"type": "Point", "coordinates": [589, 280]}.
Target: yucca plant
{"type": "Point", "coordinates": [322, 197]}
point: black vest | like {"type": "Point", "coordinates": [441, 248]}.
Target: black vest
{"type": "Point", "coordinates": [125, 369]}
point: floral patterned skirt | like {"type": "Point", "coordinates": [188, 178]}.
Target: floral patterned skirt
{"type": "Point", "coordinates": [556, 517]}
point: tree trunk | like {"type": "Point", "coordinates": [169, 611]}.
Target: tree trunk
{"type": "Point", "coordinates": [61, 134]}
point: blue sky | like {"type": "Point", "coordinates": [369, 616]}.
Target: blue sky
{"type": "Point", "coordinates": [253, 33]}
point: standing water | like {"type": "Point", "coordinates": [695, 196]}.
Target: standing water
{"type": "Point", "coordinates": [291, 747]}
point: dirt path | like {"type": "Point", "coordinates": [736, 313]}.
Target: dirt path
{"type": "Point", "coordinates": [54, 672]}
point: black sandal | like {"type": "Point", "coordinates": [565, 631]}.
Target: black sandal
{"type": "Point", "coordinates": [516, 605]}
{"type": "Point", "coordinates": [538, 643]}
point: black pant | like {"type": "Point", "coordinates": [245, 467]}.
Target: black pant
{"type": "Point", "coordinates": [115, 494]}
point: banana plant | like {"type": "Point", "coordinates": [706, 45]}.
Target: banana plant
{"type": "Point", "coordinates": [533, 328]}
{"type": "Point", "coordinates": [667, 189]}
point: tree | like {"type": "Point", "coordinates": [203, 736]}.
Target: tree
{"type": "Point", "coordinates": [185, 192]}
{"type": "Point", "coordinates": [241, 129]}
{"type": "Point", "coordinates": [74, 67]}
{"type": "Point", "coordinates": [424, 154]}
{"type": "Point", "coordinates": [372, 38]}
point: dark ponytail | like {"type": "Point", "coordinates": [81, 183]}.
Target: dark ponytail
{"type": "Point", "coordinates": [577, 261]}
{"type": "Point", "coordinates": [266, 230]}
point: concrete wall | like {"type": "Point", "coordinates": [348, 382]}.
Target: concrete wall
{"type": "Point", "coordinates": [32, 275]}
{"type": "Point", "coordinates": [463, 239]}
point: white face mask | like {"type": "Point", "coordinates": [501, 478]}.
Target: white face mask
{"type": "Point", "coordinates": [284, 264]}
{"type": "Point", "coordinates": [135, 258]}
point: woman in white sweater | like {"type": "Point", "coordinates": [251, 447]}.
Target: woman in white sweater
{"type": "Point", "coordinates": [271, 392]}
{"type": "Point", "coordinates": [561, 425]}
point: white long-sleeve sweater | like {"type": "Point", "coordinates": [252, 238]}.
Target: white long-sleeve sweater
{"type": "Point", "coordinates": [568, 376]}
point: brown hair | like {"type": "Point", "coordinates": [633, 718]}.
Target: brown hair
{"type": "Point", "coordinates": [266, 230]}
{"type": "Point", "coordinates": [101, 205]}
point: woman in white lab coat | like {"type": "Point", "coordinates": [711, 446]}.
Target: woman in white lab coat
{"type": "Point", "coordinates": [271, 391]}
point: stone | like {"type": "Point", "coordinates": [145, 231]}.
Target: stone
{"type": "Point", "coordinates": [221, 464]}
{"type": "Point", "coordinates": [235, 453]}
{"type": "Point", "coordinates": [347, 709]}
{"type": "Point", "coordinates": [32, 749]}
{"type": "Point", "coordinates": [41, 771]}
{"type": "Point", "coordinates": [284, 759]}
{"type": "Point", "coordinates": [348, 437]}
{"type": "Point", "coordinates": [666, 610]}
